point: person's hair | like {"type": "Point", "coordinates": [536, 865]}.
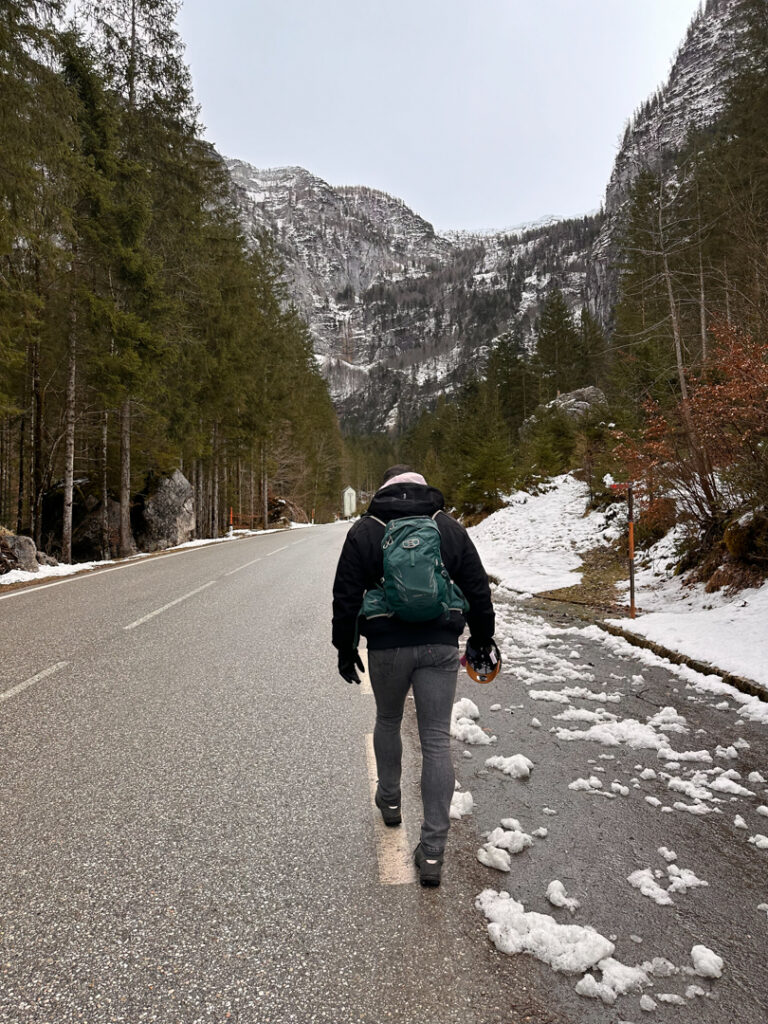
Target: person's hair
{"type": "Point", "coordinates": [396, 471]}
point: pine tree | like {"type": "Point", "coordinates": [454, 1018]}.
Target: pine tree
{"type": "Point", "coordinates": [557, 339]}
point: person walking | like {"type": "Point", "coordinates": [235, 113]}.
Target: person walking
{"type": "Point", "coordinates": [371, 597]}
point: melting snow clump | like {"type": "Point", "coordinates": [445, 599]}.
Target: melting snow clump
{"type": "Point", "coordinates": [558, 897]}
{"type": "Point", "coordinates": [706, 963]}
{"type": "Point", "coordinates": [568, 948]}
{"type": "Point", "coordinates": [517, 766]}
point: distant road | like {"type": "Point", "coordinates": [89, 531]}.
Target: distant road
{"type": "Point", "coordinates": [186, 827]}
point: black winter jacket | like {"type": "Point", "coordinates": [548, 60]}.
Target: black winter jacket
{"type": "Point", "coordinates": [361, 567]}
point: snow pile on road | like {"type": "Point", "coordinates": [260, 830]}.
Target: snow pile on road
{"type": "Point", "coordinates": [517, 766]}
{"type": "Point", "coordinates": [50, 572]}
{"type": "Point", "coordinates": [558, 897]}
{"type": "Point", "coordinates": [680, 881]}
{"type": "Point", "coordinates": [568, 948]}
{"type": "Point", "coordinates": [706, 963]}
{"type": "Point", "coordinates": [461, 803]}
{"type": "Point", "coordinates": [533, 543]}
{"type": "Point", "coordinates": [617, 980]}
{"type": "Point", "coordinates": [464, 725]}
{"type": "Point", "coordinates": [503, 842]}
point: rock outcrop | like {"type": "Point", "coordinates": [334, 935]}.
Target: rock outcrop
{"type": "Point", "coordinates": [573, 405]}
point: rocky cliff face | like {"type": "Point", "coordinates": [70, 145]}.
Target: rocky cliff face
{"type": "Point", "coordinates": [399, 314]}
{"type": "Point", "coordinates": [692, 98]}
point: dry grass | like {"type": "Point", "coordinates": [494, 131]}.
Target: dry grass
{"type": "Point", "coordinates": [602, 569]}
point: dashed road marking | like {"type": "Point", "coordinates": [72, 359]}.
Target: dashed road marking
{"type": "Point", "coordinates": [7, 694]}
{"type": "Point", "coordinates": [158, 611]}
{"type": "Point", "coordinates": [276, 550]}
{"type": "Point", "coordinates": [89, 574]}
{"type": "Point", "coordinates": [233, 571]}
{"type": "Point", "coordinates": [393, 850]}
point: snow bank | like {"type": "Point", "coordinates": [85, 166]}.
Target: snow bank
{"type": "Point", "coordinates": [725, 630]}
{"type": "Point", "coordinates": [533, 543]}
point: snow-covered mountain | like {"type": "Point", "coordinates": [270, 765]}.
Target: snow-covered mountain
{"type": "Point", "coordinates": [397, 312]}
{"type": "Point", "coordinates": [400, 313]}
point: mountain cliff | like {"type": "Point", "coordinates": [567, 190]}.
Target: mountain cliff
{"type": "Point", "coordinates": [399, 313]}
{"type": "Point", "coordinates": [692, 98]}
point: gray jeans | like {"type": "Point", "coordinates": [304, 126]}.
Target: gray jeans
{"type": "Point", "coordinates": [431, 670]}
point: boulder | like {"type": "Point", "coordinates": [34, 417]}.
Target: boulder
{"type": "Point", "coordinates": [576, 404]}
{"type": "Point", "coordinates": [24, 551]}
{"type": "Point", "coordinates": [86, 521]}
{"type": "Point", "coordinates": [163, 514]}
{"type": "Point", "coordinates": [8, 560]}
{"type": "Point", "coordinates": [44, 559]}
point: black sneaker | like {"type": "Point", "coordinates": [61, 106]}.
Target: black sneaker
{"type": "Point", "coordinates": [429, 866]}
{"type": "Point", "coordinates": [389, 812]}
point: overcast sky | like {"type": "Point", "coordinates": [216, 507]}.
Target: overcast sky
{"type": "Point", "coordinates": [478, 113]}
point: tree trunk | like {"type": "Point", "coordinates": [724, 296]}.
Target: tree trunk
{"type": "Point", "coordinates": [264, 486]}
{"type": "Point", "coordinates": [69, 442]}
{"type": "Point", "coordinates": [702, 310]}
{"type": "Point", "coordinates": [215, 489]}
{"type": "Point", "coordinates": [20, 496]}
{"type": "Point", "coordinates": [253, 494]}
{"type": "Point", "coordinates": [105, 545]}
{"type": "Point", "coordinates": [37, 447]}
{"type": "Point", "coordinates": [126, 538]}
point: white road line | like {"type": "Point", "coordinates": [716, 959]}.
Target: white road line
{"type": "Point", "coordinates": [233, 571]}
{"type": "Point", "coordinates": [276, 550]}
{"type": "Point", "coordinates": [7, 694]}
{"type": "Point", "coordinates": [393, 851]}
{"type": "Point", "coordinates": [365, 680]}
{"type": "Point", "coordinates": [158, 611]}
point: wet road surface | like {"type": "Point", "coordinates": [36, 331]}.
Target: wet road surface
{"type": "Point", "coordinates": [187, 831]}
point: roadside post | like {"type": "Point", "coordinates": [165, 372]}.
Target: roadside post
{"type": "Point", "coordinates": [231, 520]}
{"type": "Point", "coordinates": [629, 488]}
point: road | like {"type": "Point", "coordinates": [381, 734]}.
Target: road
{"type": "Point", "coordinates": [188, 833]}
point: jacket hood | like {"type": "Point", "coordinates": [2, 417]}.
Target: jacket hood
{"type": "Point", "coordinates": [405, 499]}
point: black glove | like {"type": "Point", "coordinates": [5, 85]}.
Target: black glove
{"type": "Point", "coordinates": [480, 643]}
{"type": "Point", "coordinates": [347, 661]}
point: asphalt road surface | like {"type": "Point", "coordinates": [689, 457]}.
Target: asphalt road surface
{"type": "Point", "coordinates": [187, 832]}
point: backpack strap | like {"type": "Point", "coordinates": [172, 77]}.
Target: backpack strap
{"type": "Point", "coordinates": [377, 520]}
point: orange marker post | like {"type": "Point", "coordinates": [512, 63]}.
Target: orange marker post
{"type": "Point", "coordinates": [631, 517]}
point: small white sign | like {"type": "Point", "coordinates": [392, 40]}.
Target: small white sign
{"type": "Point", "coordinates": [349, 502]}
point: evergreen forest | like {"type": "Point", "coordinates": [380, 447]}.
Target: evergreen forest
{"type": "Point", "coordinates": [138, 335]}
{"type": "Point", "coordinates": [682, 364]}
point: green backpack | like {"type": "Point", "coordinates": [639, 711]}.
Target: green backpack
{"type": "Point", "coordinates": [415, 586]}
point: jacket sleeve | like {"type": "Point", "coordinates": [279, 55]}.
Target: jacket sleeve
{"type": "Point", "coordinates": [348, 591]}
{"type": "Point", "coordinates": [473, 580]}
